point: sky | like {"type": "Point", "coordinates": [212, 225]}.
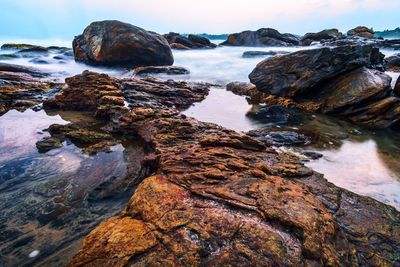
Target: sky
{"type": "Point", "coordinates": [63, 19]}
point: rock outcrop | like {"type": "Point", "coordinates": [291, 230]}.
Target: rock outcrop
{"type": "Point", "coordinates": [90, 91]}
{"type": "Point", "coordinates": [178, 41]}
{"type": "Point", "coordinates": [328, 34]}
{"type": "Point", "coordinates": [361, 31]}
{"type": "Point", "coordinates": [217, 197]}
{"type": "Point", "coordinates": [298, 73]}
{"type": "Point", "coordinates": [262, 37]}
{"type": "Point", "coordinates": [114, 43]}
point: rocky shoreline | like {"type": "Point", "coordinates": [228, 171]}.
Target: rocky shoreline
{"type": "Point", "coordinates": [201, 194]}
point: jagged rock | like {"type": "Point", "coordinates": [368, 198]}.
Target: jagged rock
{"type": "Point", "coordinates": [361, 31]}
{"type": "Point", "coordinates": [393, 63]}
{"type": "Point", "coordinates": [169, 70]}
{"type": "Point", "coordinates": [261, 37]}
{"type": "Point", "coordinates": [159, 94]}
{"type": "Point", "coordinates": [222, 198]}
{"type": "Point", "coordinates": [328, 34]}
{"type": "Point", "coordinates": [353, 89]}
{"type": "Point", "coordinates": [114, 43]}
{"type": "Point", "coordinates": [298, 73]}
{"type": "Point", "coordinates": [251, 54]}
{"type": "Point", "coordinates": [192, 41]}
{"type": "Point", "coordinates": [89, 91]}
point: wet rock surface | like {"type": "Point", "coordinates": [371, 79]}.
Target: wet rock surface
{"type": "Point", "coordinates": [169, 70]}
{"type": "Point", "coordinates": [397, 87]}
{"type": "Point", "coordinates": [262, 37]}
{"type": "Point", "coordinates": [114, 43]}
{"type": "Point", "coordinates": [219, 197]}
{"type": "Point", "coordinates": [295, 74]}
{"type": "Point", "coordinates": [178, 41]}
{"type": "Point", "coordinates": [393, 63]}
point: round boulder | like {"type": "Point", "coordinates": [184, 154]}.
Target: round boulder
{"type": "Point", "coordinates": [114, 43]}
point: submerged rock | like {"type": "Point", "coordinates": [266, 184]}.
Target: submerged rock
{"type": "Point", "coordinates": [251, 54]}
{"type": "Point", "coordinates": [169, 70]}
{"type": "Point", "coordinates": [114, 43]}
{"type": "Point", "coordinates": [280, 138]}
{"type": "Point", "coordinates": [299, 73]}
{"type": "Point", "coordinates": [262, 37]}
{"type": "Point", "coordinates": [361, 31]}
{"type": "Point", "coordinates": [192, 41]}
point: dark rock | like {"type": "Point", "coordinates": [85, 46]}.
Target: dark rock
{"type": "Point", "coordinates": [322, 35]}
{"type": "Point", "coordinates": [393, 63]}
{"type": "Point", "coordinates": [361, 31]}
{"type": "Point", "coordinates": [261, 37]}
{"type": "Point", "coordinates": [354, 89]}
{"type": "Point", "coordinates": [279, 138]}
{"type": "Point", "coordinates": [250, 54]}
{"type": "Point", "coordinates": [397, 87]}
{"type": "Point", "coordinates": [299, 73]}
{"type": "Point", "coordinates": [22, 47]}
{"type": "Point", "coordinates": [312, 154]}
{"type": "Point", "coordinates": [23, 69]}
{"type": "Point", "coordinates": [178, 41]}
{"type": "Point", "coordinates": [276, 114]}
{"type": "Point", "coordinates": [169, 70]}
{"type": "Point", "coordinates": [47, 144]}
{"type": "Point", "coordinates": [39, 61]}
{"type": "Point", "coordinates": [36, 49]}
{"type": "Point", "coordinates": [114, 43]}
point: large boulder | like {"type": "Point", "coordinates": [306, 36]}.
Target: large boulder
{"type": "Point", "coordinates": [322, 35]}
{"type": "Point", "coordinates": [393, 62]}
{"type": "Point", "coordinates": [192, 41]}
{"type": "Point", "coordinates": [361, 31]}
{"type": "Point", "coordinates": [114, 43]}
{"type": "Point", "coordinates": [262, 37]}
{"type": "Point", "coordinates": [354, 88]}
{"type": "Point", "coordinates": [301, 72]}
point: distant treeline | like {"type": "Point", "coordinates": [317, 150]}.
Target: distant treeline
{"type": "Point", "coordinates": [389, 33]}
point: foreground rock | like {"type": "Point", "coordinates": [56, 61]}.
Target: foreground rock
{"type": "Point", "coordinates": [397, 87]}
{"type": "Point", "coordinates": [169, 70]}
{"type": "Point", "coordinates": [361, 31]}
{"type": "Point", "coordinates": [262, 37]}
{"type": "Point", "coordinates": [178, 41]}
{"type": "Point", "coordinates": [217, 197]}
{"type": "Point", "coordinates": [300, 72]}
{"type": "Point", "coordinates": [114, 43]}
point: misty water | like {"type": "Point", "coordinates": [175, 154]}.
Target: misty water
{"type": "Point", "coordinates": [364, 162]}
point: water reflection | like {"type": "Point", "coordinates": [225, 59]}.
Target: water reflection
{"type": "Point", "coordinates": [50, 201]}
{"type": "Point", "coordinates": [357, 159]}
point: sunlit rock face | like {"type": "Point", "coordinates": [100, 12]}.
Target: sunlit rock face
{"type": "Point", "coordinates": [114, 43]}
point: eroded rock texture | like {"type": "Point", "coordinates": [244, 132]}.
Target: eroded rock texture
{"type": "Point", "coordinates": [218, 197]}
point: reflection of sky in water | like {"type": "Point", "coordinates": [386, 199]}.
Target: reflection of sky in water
{"type": "Point", "coordinates": [359, 167]}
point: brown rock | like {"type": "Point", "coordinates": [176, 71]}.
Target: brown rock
{"type": "Point", "coordinates": [89, 91]}
{"type": "Point", "coordinates": [361, 31]}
